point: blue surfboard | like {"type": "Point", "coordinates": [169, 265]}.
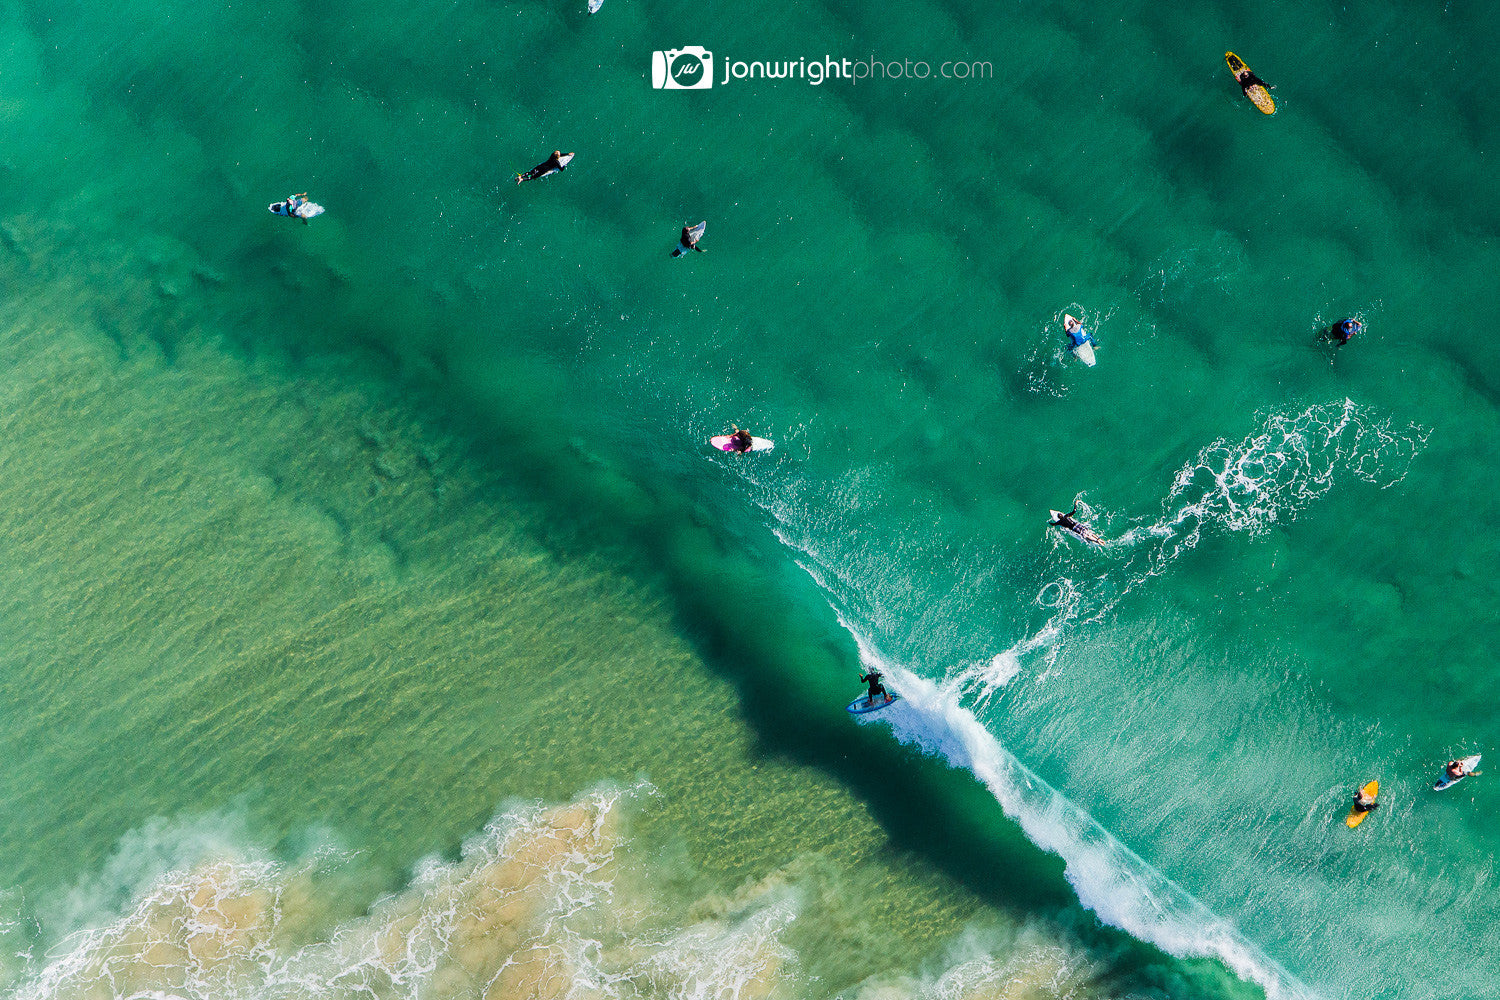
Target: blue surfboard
{"type": "Point", "coordinates": [862, 704]}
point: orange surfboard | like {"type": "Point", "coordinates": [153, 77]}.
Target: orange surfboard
{"type": "Point", "coordinates": [1356, 817]}
{"type": "Point", "coordinates": [1259, 96]}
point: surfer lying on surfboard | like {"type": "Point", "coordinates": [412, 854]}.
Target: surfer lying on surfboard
{"type": "Point", "coordinates": [1068, 522]}
{"type": "Point", "coordinates": [740, 441]}
{"type": "Point", "coordinates": [1247, 79]}
{"type": "Point", "coordinates": [555, 163]}
{"type": "Point", "coordinates": [296, 207]}
{"type": "Point", "coordinates": [1458, 770]}
{"type": "Point", "coordinates": [1364, 802]}
{"type": "Point", "coordinates": [1076, 333]}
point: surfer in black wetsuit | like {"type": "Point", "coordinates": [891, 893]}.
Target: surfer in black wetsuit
{"type": "Point", "coordinates": [1364, 803]}
{"type": "Point", "coordinates": [740, 440]}
{"type": "Point", "coordinates": [1343, 330]}
{"type": "Point", "coordinates": [1248, 79]}
{"type": "Point", "coordinates": [688, 240]}
{"type": "Point", "coordinates": [877, 690]}
{"type": "Point", "coordinates": [551, 163]}
{"type": "Point", "coordinates": [1066, 521]}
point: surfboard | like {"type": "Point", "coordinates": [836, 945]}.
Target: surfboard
{"type": "Point", "coordinates": [532, 175]}
{"type": "Point", "coordinates": [1356, 817]}
{"type": "Point", "coordinates": [1082, 532]}
{"type": "Point", "coordinates": [1259, 96]}
{"type": "Point", "coordinates": [756, 444]}
{"type": "Point", "coordinates": [697, 232]}
{"type": "Point", "coordinates": [1470, 763]}
{"type": "Point", "coordinates": [1085, 351]}
{"type": "Point", "coordinates": [862, 704]}
{"type": "Point", "coordinates": [594, 6]}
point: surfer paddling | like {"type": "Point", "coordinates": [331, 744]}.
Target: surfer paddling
{"type": "Point", "coordinates": [1076, 333]}
{"type": "Point", "coordinates": [1247, 79]}
{"type": "Point", "coordinates": [1344, 329]}
{"type": "Point", "coordinates": [1070, 522]}
{"type": "Point", "coordinates": [556, 163]}
{"type": "Point", "coordinates": [740, 441]}
{"type": "Point", "coordinates": [688, 240]}
{"type": "Point", "coordinates": [1256, 90]}
{"type": "Point", "coordinates": [295, 207]}
{"type": "Point", "coordinates": [1456, 771]}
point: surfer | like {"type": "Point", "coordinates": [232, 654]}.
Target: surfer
{"type": "Point", "coordinates": [1343, 330]}
{"type": "Point", "coordinates": [740, 440]}
{"type": "Point", "coordinates": [689, 239]}
{"type": "Point", "coordinates": [1066, 521]}
{"type": "Point", "coordinates": [1076, 332]}
{"type": "Point", "coordinates": [877, 690]}
{"type": "Point", "coordinates": [1364, 803]}
{"type": "Point", "coordinates": [1069, 522]}
{"type": "Point", "coordinates": [1456, 769]}
{"type": "Point", "coordinates": [293, 208]}
{"type": "Point", "coordinates": [1248, 79]}
{"type": "Point", "coordinates": [551, 165]}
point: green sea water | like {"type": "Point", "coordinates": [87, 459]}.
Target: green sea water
{"type": "Point", "coordinates": [376, 621]}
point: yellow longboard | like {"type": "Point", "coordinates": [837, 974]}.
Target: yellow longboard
{"type": "Point", "coordinates": [1259, 96]}
{"type": "Point", "coordinates": [1355, 816]}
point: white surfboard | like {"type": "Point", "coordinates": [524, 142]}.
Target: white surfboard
{"type": "Point", "coordinates": [1469, 763]}
{"type": "Point", "coordinates": [594, 6]}
{"type": "Point", "coordinates": [1082, 531]}
{"type": "Point", "coordinates": [697, 232]}
{"type": "Point", "coordinates": [722, 442]}
{"type": "Point", "coordinates": [1083, 352]}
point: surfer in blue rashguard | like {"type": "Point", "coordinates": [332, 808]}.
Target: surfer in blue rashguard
{"type": "Point", "coordinates": [296, 207]}
{"type": "Point", "coordinates": [1343, 330]}
{"type": "Point", "coordinates": [1076, 332]}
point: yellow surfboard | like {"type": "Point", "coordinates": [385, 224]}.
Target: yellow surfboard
{"type": "Point", "coordinates": [1355, 816]}
{"type": "Point", "coordinates": [1259, 96]}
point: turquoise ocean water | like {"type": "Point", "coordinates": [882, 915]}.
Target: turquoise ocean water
{"type": "Point", "coordinates": [376, 622]}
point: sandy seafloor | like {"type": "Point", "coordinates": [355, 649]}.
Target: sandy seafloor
{"type": "Point", "coordinates": [374, 621]}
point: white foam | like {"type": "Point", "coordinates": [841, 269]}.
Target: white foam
{"type": "Point", "coordinates": [531, 908]}
{"type": "Point", "coordinates": [1107, 876]}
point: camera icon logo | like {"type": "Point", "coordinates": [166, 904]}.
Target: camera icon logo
{"type": "Point", "coordinates": [688, 68]}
